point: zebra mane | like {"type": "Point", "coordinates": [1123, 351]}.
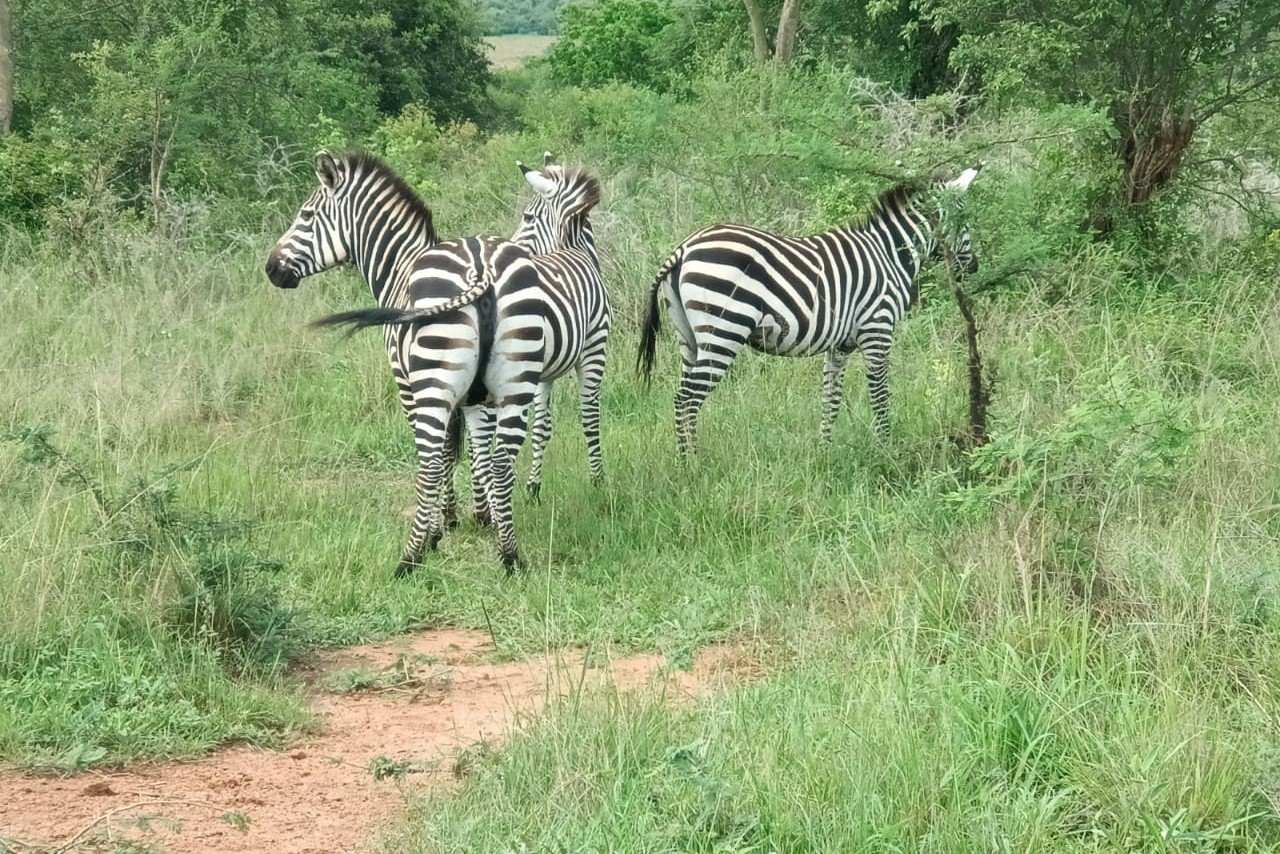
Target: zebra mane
{"type": "Point", "coordinates": [363, 161]}
{"type": "Point", "coordinates": [891, 199]}
{"type": "Point", "coordinates": [580, 181]}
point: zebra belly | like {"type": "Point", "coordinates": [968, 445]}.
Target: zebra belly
{"type": "Point", "coordinates": [562, 354]}
{"type": "Point", "coordinates": [772, 336]}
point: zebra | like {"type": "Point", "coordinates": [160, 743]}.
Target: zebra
{"type": "Point", "coordinates": [730, 286]}
{"type": "Point", "coordinates": [463, 322]}
{"type": "Point", "coordinates": [555, 227]}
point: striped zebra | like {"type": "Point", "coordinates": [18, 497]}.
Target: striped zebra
{"type": "Point", "coordinates": [730, 286]}
{"type": "Point", "coordinates": [556, 228]}
{"type": "Point", "coordinates": [463, 324]}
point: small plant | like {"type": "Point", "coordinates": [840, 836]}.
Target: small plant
{"type": "Point", "coordinates": [402, 675]}
{"type": "Point", "coordinates": [1125, 434]}
{"type": "Point", "coordinates": [383, 768]}
{"type": "Point", "coordinates": [225, 594]}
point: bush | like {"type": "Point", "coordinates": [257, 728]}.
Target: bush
{"type": "Point", "coordinates": [612, 41]}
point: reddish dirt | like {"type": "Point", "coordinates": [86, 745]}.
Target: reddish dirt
{"type": "Point", "coordinates": [319, 794]}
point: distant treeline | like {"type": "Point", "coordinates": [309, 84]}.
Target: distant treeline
{"type": "Point", "coordinates": [521, 16]}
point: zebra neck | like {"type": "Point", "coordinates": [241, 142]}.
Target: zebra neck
{"type": "Point", "coordinates": [386, 264]}
{"type": "Point", "coordinates": [906, 234]}
{"type": "Point", "coordinates": [576, 234]}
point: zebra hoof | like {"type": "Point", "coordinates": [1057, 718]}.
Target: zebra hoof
{"type": "Point", "coordinates": [405, 568]}
{"type": "Point", "coordinates": [450, 520]}
{"type": "Point", "coordinates": [484, 519]}
{"type": "Point", "coordinates": [534, 488]}
{"type": "Point", "coordinates": [513, 563]}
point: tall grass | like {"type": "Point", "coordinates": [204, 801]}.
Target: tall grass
{"type": "Point", "coordinates": [1066, 643]}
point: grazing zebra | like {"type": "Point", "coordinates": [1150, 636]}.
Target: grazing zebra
{"type": "Point", "coordinates": [463, 324]}
{"type": "Point", "coordinates": [557, 230]}
{"type": "Point", "coordinates": [730, 286]}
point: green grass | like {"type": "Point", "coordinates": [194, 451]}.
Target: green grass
{"type": "Point", "coordinates": [1075, 651]}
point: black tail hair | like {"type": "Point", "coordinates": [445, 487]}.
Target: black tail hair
{"type": "Point", "coordinates": [648, 355]}
{"type": "Point", "coordinates": [362, 318]}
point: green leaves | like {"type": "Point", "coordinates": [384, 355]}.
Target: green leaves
{"type": "Point", "coordinates": [612, 41]}
{"type": "Point", "coordinates": [1125, 434]}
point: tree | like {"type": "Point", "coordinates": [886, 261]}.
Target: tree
{"type": "Point", "coordinates": [6, 67]}
{"type": "Point", "coordinates": [613, 40]}
{"type": "Point", "coordinates": [887, 40]}
{"type": "Point", "coordinates": [1162, 67]}
{"type": "Point", "coordinates": [785, 39]}
{"type": "Point", "coordinates": [427, 51]}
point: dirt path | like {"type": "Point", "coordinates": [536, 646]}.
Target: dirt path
{"type": "Point", "coordinates": [319, 794]}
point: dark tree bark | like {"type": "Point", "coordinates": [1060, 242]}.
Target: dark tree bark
{"type": "Point", "coordinates": [1151, 145]}
{"type": "Point", "coordinates": [933, 72]}
{"type": "Point", "coordinates": [6, 67]}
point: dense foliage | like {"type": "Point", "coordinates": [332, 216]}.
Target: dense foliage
{"type": "Point", "coordinates": [520, 16]}
{"type": "Point", "coordinates": [1162, 68]}
{"type": "Point", "coordinates": [612, 41]}
{"type": "Point", "coordinates": [149, 104]}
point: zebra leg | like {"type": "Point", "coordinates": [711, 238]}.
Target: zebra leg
{"type": "Point", "coordinates": [876, 358]}
{"type": "Point", "coordinates": [448, 494]}
{"type": "Point", "coordinates": [590, 377]}
{"type": "Point", "coordinates": [512, 426]}
{"type": "Point", "coordinates": [832, 392]}
{"type": "Point", "coordinates": [480, 426]}
{"type": "Point", "coordinates": [541, 435]}
{"type": "Point", "coordinates": [684, 436]}
{"type": "Point", "coordinates": [431, 436]}
{"type": "Point", "coordinates": [706, 374]}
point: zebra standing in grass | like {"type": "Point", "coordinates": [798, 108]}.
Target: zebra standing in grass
{"type": "Point", "coordinates": [730, 286]}
{"type": "Point", "coordinates": [463, 323]}
{"type": "Point", "coordinates": [557, 230]}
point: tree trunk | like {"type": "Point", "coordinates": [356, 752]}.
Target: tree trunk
{"type": "Point", "coordinates": [759, 36]}
{"type": "Point", "coordinates": [1152, 151]}
{"type": "Point", "coordinates": [1152, 140]}
{"type": "Point", "coordinates": [6, 67]}
{"type": "Point", "coordinates": [933, 72]}
{"type": "Point", "coordinates": [786, 41]}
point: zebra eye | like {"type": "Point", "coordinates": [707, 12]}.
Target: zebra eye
{"type": "Point", "coordinates": [306, 215]}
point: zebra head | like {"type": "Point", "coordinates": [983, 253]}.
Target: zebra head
{"type": "Point", "coordinates": [953, 239]}
{"type": "Point", "coordinates": [321, 232]}
{"type": "Point", "coordinates": [557, 216]}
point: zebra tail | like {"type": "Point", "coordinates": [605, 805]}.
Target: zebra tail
{"type": "Point", "coordinates": [362, 318]}
{"type": "Point", "coordinates": [648, 355]}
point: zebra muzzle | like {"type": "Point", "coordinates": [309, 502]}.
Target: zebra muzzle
{"type": "Point", "coordinates": [280, 275]}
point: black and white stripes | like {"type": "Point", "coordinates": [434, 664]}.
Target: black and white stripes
{"type": "Point", "coordinates": [463, 324]}
{"type": "Point", "coordinates": [478, 329]}
{"type": "Point", "coordinates": [557, 229]}
{"type": "Point", "coordinates": [732, 286]}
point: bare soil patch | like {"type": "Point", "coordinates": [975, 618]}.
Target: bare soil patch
{"type": "Point", "coordinates": [437, 695]}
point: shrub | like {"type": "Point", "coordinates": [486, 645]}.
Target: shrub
{"type": "Point", "coordinates": [612, 41]}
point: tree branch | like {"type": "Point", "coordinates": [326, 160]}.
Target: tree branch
{"type": "Point", "coordinates": [1231, 99]}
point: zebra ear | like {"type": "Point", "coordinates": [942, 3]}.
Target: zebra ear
{"type": "Point", "coordinates": [326, 169]}
{"type": "Point", "coordinates": [538, 181]}
{"type": "Point", "coordinates": [548, 159]}
{"type": "Point", "coordinates": [965, 179]}
{"type": "Point", "coordinates": [524, 170]}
